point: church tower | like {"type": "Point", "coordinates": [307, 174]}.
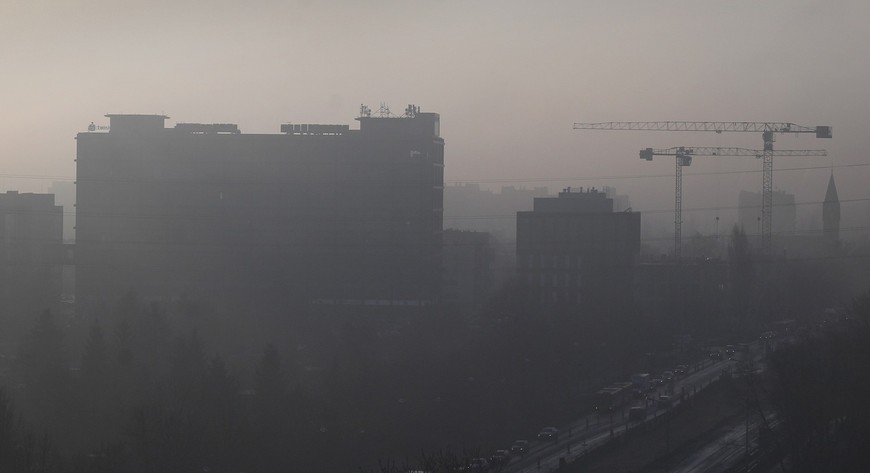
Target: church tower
{"type": "Point", "coordinates": [831, 213]}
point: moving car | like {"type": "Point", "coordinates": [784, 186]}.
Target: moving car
{"type": "Point", "coordinates": [549, 433]}
{"type": "Point", "coordinates": [520, 447]}
{"type": "Point", "coordinates": [499, 457]}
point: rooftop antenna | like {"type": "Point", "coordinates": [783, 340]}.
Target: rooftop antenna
{"type": "Point", "coordinates": [384, 111]}
{"type": "Point", "coordinates": [411, 111]}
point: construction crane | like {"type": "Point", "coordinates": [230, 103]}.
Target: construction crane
{"type": "Point", "coordinates": [683, 155]}
{"type": "Point", "coordinates": [768, 131]}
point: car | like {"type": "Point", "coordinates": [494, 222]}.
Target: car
{"type": "Point", "coordinates": [665, 401]}
{"type": "Point", "coordinates": [681, 370]}
{"type": "Point", "coordinates": [656, 382]}
{"type": "Point", "coordinates": [549, 433]}
{"type": "Point", "coordinates": [716, 355]}
{"type": "Point", "coordinates": [478, 464]}
{"type": "Point", "coordinates": [768, 335]}
{"type": "Point", "coordinates": [668, 376]}
{"type": "Point", "coordinates": [520, 447]}
{"type": "Point", "coordinates": [499, 457]}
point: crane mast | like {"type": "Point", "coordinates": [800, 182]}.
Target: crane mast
{"type": "Point", "coordinates": [683, 155]}
{"type": "Point", "coordinates": [767, 130]}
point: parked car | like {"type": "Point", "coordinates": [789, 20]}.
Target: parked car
{"type": "Point", "coordinates": [549, 433]}
{"type": "Point", "coordinates": [520, 447]}
{"type": "Point", "coordinates": [665, 401]}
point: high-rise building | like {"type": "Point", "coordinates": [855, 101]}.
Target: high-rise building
{"type": "Point", "coordinates": [319, 214]}
{"type": "Point", "coordinates": [469, 275]}
{"type": "Point", "coordinates": [574, 248]}
{"type": "Point", "coordinates": [468, 207]}
{"type": "Point", "coordinates": [784, 213]}
{"type": "Point", "coordinates": [831, 213]}
{"type": "Point", "coordinates": [31, 237]}
{"type": "Point", "coordinates": [65, 196]}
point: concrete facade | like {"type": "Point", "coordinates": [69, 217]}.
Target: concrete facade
{"type": "Point", "coordinates": [574, 248]}
{"type": "Point", "coordinates": [31, 238]}
{"type": "Point", "coordinates": [469, 275]}
{"type": "Point", "coordinates": [320, 214]}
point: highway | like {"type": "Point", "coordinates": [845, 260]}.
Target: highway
{"type": "Point", "coordinates": [590, 432]}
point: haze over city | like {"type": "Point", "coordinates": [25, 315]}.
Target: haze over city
{"type": "Point", "coordinates": [509, 78]}
{"type": "Point", "coordinates": [427, 237]}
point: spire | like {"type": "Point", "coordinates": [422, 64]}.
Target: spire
{"type": "Point", "coordinates": [831, 194]}
{"type": "Point", "coordinates": [831, 214]}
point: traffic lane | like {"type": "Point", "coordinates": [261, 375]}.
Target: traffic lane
{"type": "Point", "coordinates": [599, 432]}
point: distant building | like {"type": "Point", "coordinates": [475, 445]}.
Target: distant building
{"type": "Point", "coordinates": [468, 207]}
{"type": "Point", "coordinates": [31, 228]}
{"type": "Point", "coordinates": [689, 293]}
{"type": "Point", "coordinates": [319, 215]}
{"type": "Point", "coordinates": [784, 213]}
{"type": "Point", "coordinates": [621, 202]}
{"type": "Point", "coordinates": [65, 196]}
{"type": "Point", "coordinates": [469, 275]}
{"type": "Point", "coordinates": [831, 214]}
{"type": "Point", "coordinates": [574, 248]}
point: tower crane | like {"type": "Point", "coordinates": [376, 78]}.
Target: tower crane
{"type": "Point", "coordinates": [768, 131]}
{"type": "Point", "coordinates": [683, 155]}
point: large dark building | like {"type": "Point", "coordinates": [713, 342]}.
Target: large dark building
{"type": "Point", "coordinates": [31, 237]}
{"type": "Point", "coordinates": [575, 248]}
{"type": "Point", "coordinates": [317, 215]}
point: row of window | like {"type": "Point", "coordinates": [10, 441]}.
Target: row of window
{"type": "Point", "coordinates": [551, 261]}
{"type": "Point", "coordinates": [563, 279]}
{"type": "Point", "coordinates": [561, 297]}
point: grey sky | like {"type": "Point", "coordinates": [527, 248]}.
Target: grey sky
{"type": "Point", "coordinates": [508, 77]}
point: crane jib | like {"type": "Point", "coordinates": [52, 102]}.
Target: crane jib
{"type": "Point", "coordinates": [718, 127]}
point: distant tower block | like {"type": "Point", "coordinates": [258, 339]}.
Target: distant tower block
{"type": "Point", "coordinates": [831, 213]}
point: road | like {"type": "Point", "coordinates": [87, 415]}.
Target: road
{"type": "Point", "coordinates": [590, 432]}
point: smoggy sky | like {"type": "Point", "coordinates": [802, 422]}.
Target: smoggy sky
{"type": "Point", "coordinates": [509, 78]}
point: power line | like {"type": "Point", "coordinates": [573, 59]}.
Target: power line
{"type": "Point", "coordinates": [657, 211]}
{"type": "Point", "coordinates": [457, 181]}
{"type": "Point", "coordinates": [644, 176]}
